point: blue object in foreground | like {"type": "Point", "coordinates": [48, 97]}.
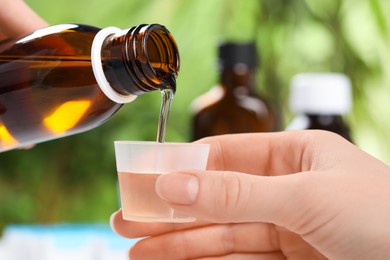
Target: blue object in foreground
{"type": "Point", "coordinates": [63, 241]}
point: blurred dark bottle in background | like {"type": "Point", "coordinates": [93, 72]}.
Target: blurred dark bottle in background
{"type": "Point", "coordinates": [320, 101]}
{"type": "Point", "coordinates": [233, 105]}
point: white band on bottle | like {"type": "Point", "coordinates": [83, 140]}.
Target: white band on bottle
{"type": "Point", "coordinates": [97, 68]}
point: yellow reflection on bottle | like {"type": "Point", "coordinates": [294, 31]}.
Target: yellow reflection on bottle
{"type": "Point", "coordinates": [66, 116]}
{"type": "Point", "coordinates": [6, 139]}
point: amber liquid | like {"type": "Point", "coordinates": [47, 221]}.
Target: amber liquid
{"type": "Point", "coordinates": [47, 86]}
{"type": "Point", "coordinates": [48, 89]}
{"type": "Point", "coordinates": [140, 201]}
{"type": "Point", "coordinates": [167, 97]}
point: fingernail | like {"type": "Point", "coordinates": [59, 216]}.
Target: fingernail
{"type": "Point", "coordinates": [178, 188]}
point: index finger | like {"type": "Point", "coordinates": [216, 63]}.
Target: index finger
{"type": "Point", "coordinates": [271, 153]}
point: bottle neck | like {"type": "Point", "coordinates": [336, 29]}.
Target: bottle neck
{"type": "Point", "coordinates": [330, 122]}
{"type": "Point", "coordinates": [239, 76]}
{"type": "Point", "coordinates": [325, 119]}
{"type": "Point", "coordinates": [139, 60]}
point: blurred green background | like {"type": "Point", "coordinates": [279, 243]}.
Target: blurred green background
{"type": "Point", "coordinates": [74, 180]}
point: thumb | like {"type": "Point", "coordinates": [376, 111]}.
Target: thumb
{"type": "Point", "coordinates": [238, 197]}
{"type": "Point", "coordinates": [12, 25]}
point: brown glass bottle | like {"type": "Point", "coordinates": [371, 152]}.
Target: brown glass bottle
{"type": "Point", "coordinates": [233, 105]}
{"type": "Point", "coordinates": [69, 78]}
{"type": "Point", "coordinates": [320, 101]}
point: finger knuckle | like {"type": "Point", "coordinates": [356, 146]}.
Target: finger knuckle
{"type": "Point", "coordinates": [228, 195]}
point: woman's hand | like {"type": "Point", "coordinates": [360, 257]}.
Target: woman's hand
{"type": "Point", "coordinates": [295, 195]}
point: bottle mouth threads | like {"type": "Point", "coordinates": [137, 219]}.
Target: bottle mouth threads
{"type": "Point", "coordinates": [153, 57]}
{"type": "Point", "coordinates": [128, 63]}
{"type": "Point", "coordinates": [97, 63]}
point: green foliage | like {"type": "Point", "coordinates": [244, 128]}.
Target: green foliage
{"type": "Point", "coordinates": [73, 179]}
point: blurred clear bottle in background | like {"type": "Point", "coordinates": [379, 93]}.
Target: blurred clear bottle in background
{"type": "Point", "coordinates": [69, 78]}
{"type": "Point", "coordinates": [320, 101]}
{"type": "Point", "coordinates": [233, 105]}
